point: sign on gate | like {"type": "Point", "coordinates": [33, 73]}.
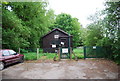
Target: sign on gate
{"type": "Point", "coordinates": [64, 53]}
{"type": "Point", "coordinates": [65, 45]}
{"type": "Point", "coordinates": [64, 50]}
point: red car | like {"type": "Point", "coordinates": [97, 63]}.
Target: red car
{"type": "Point", "coordinates": [8, 56]}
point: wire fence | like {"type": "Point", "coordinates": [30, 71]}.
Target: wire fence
{"type": "Point", "coordinates": [47, 53]}
{"type": "Point", "coordinates": [79, 52]}
{"type": "Point", "coordinates": [36, 53]}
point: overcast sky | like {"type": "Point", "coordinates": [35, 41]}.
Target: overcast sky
{"type": "Point", "coordinates": [80, 9]}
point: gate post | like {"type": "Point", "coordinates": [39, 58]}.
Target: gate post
{"type": "Point", "coordinates": [70, 53]}
{"type": "Point", "coordinates": [37, 53]}
{"type": "Point", "coordinates": [85, 52]}
{"type": "Point", "coordinates": [59, 54]}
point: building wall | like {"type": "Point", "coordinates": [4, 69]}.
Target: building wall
{"type": "Point", "coordinates": [49, 39]}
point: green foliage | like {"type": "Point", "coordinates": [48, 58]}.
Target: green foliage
{"type": "Point", "coordinates": [40, 50]}
{"type": "Point", "coordinates": [79, 56]}
{"type": "Point", "coordinates": [30, 56]}
{"type": "Point", "coordinates": [113, 27]}
{"type": "Point", "coordinates": [105, 41]}
{"type": "Point", "coordinates": [69, 25]}
{"type": "Point", "coordinates": [25, 24]}
{"type": "Point", "coordinates": [33, 56]}
{"type": "Point", "coordinates": [93, 34]}
{"type": "Point", "coordinates": [23, 51]}
{"type": "Point", "coordinates": [106, 32]}
{"type": "Point", "coordinates": [14, 34]}
{"type": "Point", "coordinates": [78, 52]}
{"type": "Point", "coordinates": [50, 55]}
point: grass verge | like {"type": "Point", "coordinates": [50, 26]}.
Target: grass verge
{"type": "Point", "coordinates": [33, 56]}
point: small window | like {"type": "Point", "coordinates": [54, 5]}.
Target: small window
{"type": "Point", "coordinates": [53, 46]}
{"type": "Point", "coordinates": [5, 53]}
{"type": "Point", "coordinates": [56, 36]}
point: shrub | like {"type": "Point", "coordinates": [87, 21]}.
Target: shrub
{"type": "Point", "coordinates": [23, 51]}
{"type": "Point", "coordinates": [40, 50]}
{"type": "Point", "coordinates": [30, 56]}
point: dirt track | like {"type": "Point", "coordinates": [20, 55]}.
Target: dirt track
{"type": "Point", "coordinates": [65, 69]}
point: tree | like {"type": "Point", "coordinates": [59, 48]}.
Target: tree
{"type": "Point", "coordinates": [106, 32]}
{"type": "Point", "coordinates": [25, 24]}
{"type": "Point", "coordinates": [69, 25]}
{"type": "Point", "coordinates": [94, 34]}
{"type": "Point", "coordinates": [113, 27]}
{"type": "Point", "coordinates": [13, 33]}
{"type": "Point", "coordinates": [33, 16]}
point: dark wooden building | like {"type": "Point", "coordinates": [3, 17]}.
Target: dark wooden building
{"type": "Point", "coordinates": [55, 39]}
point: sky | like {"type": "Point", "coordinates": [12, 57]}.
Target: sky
{"type": "Point", "coordinates": [80, 9]}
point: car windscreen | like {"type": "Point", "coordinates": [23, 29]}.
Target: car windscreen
{"type": "Point", "coordinates": [12, 52]}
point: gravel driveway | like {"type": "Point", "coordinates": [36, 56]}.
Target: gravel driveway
{"type": "Point", "coordinates": [64, 69]}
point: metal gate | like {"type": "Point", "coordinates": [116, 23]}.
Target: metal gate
{"type": "Point", "coordinates": [65, 47]}
{"type": "Point", "coordinates": [96, 52]}
{"type": "Point", "coordinates": [64, 53]}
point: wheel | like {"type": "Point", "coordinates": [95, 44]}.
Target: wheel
{"type": "Point", "coordinates": [21, 60]}
{"type": "Point", "coordinates": [2, 66]}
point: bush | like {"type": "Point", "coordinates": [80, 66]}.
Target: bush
{"type": "Point", "coordinates": [78, 52]}
{"type": "Point", "coordinates": [23, 51]}
{"type": "Point", "coordinates": [40, 50]}
{"type": "Point", "coordinates": [33, 56]}
{"type": "Point", "coordinates": [117, 58]}
{"type": "Point", "coordinates": [30, 56]}
{"type": "Point", "coordinates": [51, 55]}
{"type": "Point", "coordinates": [79, 56]}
